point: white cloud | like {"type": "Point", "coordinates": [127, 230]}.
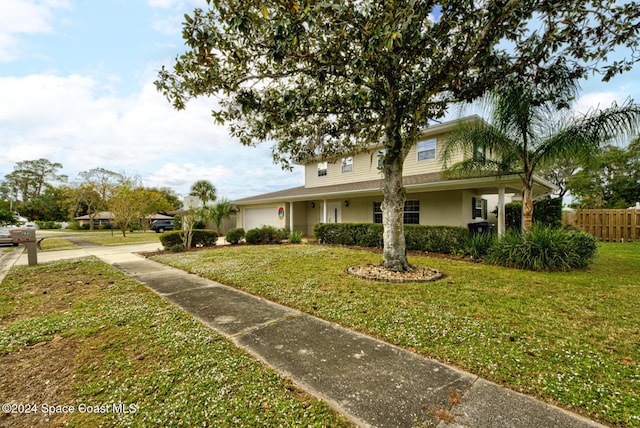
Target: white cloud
{"type": "Point", "coordinates": [21, 17]}
{"type": "Point", "coordinates": [598, 100]}
{"type": "Point", "coordinates": [77, 121]}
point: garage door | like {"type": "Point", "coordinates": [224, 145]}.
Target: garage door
{"type": "Point", "coordinates": [256, 217]}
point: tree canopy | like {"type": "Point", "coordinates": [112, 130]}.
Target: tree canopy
{"type": "Point", "coordinates": [327, 79]}
{"type": "Point", "coordinates": [609, 180]}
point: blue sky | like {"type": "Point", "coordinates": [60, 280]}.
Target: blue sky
{"type": "Point", "coordinates": [76, 87]}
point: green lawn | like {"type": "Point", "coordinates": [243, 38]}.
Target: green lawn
{"type": "Point", "coordinates": [106, 238]}
{"type": "Point", "coordinates": [569, 338]}
{"type": "Point", "coordinates": [80, 333]}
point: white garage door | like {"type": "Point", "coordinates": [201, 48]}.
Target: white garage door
{"type": "Point", "coordinates": [256, 217]}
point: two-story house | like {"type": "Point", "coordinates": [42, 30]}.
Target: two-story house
{"type": "Point", "coordinates": [348, 190]}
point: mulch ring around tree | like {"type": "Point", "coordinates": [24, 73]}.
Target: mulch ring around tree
{"type": "Point", "coordinates": [380, 273]}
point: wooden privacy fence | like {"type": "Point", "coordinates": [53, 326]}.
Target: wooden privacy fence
{"type": "Point", "coordinates": [608, 225]}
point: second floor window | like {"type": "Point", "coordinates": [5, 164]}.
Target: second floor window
{"type": "Point", "coordinates": [322, 169]}
{"type": "Point", "coordinates": [426, 150]}
{"type": "Point", "coordinates": [347, 164]}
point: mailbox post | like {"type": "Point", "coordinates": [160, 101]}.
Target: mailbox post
{"type": "Point", "coordinates": [28, 238]}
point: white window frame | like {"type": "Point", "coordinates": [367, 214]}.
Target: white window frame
{"type": "Point", "coordinates": [347, 164]}
{"type": "Point", "coordinates": [322, 169]}
{"type": "Point", "coordinates": [426, 150]}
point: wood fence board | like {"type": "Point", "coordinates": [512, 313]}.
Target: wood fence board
{"type": "Point", "coordinates": [608, 225]}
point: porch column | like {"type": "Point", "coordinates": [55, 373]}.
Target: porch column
{"type": "Point", "coordinates": [290, 216]}
{"type": "Point", "coordinates": [501, 220]}
{"type": "Point", "coordinates": [325, 211]}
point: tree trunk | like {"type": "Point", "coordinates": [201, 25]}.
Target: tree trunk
{"type": "Point", "coordinates": [395, 249]}
{"type": "Point", "coordinates": [527, 206]}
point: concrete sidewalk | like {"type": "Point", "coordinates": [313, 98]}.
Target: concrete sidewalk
{"type": "Point", "coordinates": [372, 383]}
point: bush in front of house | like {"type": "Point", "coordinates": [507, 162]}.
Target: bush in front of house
{"type": "Point", "coordinates": [295, 237]}
{"type": "Point", "coordinates": [235, 235]}
{"type": "Point", "coordinates": [360, 234]}
{"type": "Point", "coordinates": [478, 244]}
{"type": "Point", "coordinates": [544, 248]}
{"type": "Point", "coordinates": [437, 239]}
{"type": "Point", "coordinates": [266, 235]}
{"type": "Point", "coordinates": [199, 238]}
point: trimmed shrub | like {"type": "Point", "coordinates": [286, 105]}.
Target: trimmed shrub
{"type": "Point", "coordinates": [235, 235]}
{"type": "Point", "coordinates": [295, 237]}
{"type": "Point", "coordinates": [178, 248]}
{"type": "Point", "coordinates": [199, 238]}
{"type": "Point", "coordinates": [265, 235]}
{"type": "Point", "coordinates": [437, 239]}
{"type": "Point", "coordinates": [478, 244]}
{"type": "Point", "coordinates": [544, 248]}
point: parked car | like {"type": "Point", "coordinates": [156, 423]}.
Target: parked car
{"type": "Point", "coordinates": [161, 225]}
{"type": "Point", "coordinates": [5, 237]}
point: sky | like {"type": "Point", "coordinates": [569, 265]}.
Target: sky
{"type": "Point", "coordinates": [76, 87]}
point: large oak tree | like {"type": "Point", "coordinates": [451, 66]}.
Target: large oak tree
{"type": "Point", "coordinates": [325, 79]}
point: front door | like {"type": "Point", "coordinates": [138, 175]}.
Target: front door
{"type": "Point", "coordinates": [333, 212]}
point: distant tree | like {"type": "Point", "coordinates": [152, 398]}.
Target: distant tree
{"type": "Point", "coordinates": [533, 125]}
{"type": "Point", "coordinates": [7, 217]}
{"type": "Point", "coordinates": [327, 79]}
{"type": "Point", "coordinates": [103, 181]}
{"type": "Point", "coordinates": [94, 189]}
{"type": "Point", "coordinates": [610, 180]}
{"type": "Point", "coordinates": [49, 206]}
{"type": "Point", "coordinates": [131, 203]}
{"type": "Point", "coordinates": [558, 171]}
{"type": "Point", "coordinates": [29, 178]}
{"type": "Point", "coordinates": [168, 195]}
{"type": "Point", "coordinates": [204, 190]}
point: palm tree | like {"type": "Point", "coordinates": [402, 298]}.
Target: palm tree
{"type": "Point", "coordinates": [204, 190]}
{"type": "Point", "coordinates": [533, 126]}
{"type": "Point", "coordinates": [217, 213]}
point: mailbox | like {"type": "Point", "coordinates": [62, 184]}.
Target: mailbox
{"type": "Point", "coordinates": [28, 238]}
{"type": "Point", "coordinates": [23, 235]}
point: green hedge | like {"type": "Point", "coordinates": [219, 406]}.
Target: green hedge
{"type": "Point", "coordinates": [436, 239]}
{"type": "Point", "coordinates": [199, 237]}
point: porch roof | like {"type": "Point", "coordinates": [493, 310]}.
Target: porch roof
{"type": "Point", "coordinates": [430, 182]}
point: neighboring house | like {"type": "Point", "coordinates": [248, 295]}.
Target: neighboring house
{"type": "Point", "coordinates": [103, 218]}
{"type": "Point", "coordinates": [348, 190]}
{"type": "Point", "coordinates": [99, 219]}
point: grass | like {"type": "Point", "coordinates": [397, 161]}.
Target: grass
{"type": "Point", "coordinates": [78, 333]}
{"type": "Point", "coordinates": [54, 244]}
{"type": "Point", "coordinates": [569, 338]}
{"type": "Point", "coordinates": [117, 238]}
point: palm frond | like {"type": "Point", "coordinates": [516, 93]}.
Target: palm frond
{"type": "Point", "coordinates": [586, 134]}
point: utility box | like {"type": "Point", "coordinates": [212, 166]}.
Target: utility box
{"type": "Point", "coordinates": [28, 238]}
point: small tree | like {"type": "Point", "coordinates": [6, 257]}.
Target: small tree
{"type": "Point", "coordinates": [188, 219]}
{"type": "Point", "coordinates": [217, 213]}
